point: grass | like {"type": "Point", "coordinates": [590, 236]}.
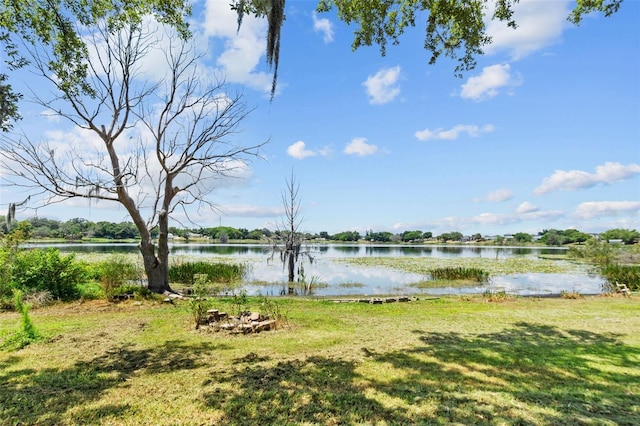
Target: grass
{"type": "Point", "coordinates": [446, 360]}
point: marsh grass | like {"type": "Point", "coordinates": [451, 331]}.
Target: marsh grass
{"type": "Point", "coordinates": [441, 283]}
{"type": "Point", "coordinates": [459, 273]}
{"type": "Point", "coordinates": [441, 361]}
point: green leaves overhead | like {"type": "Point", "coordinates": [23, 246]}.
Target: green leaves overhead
{"type": "Point", "coordinates": [56, 23]}
{"type": "Point", "coordinates": [454, 28]}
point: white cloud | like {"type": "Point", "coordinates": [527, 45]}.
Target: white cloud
{"type": "Point", "coordinates": [595, 209]}
{"type": "Point", "coordinates": [500, 195]}
{"type": "Point", "coordinates": [243, 49]}
{"type": "Point", "coordinates": [453, 133]}
{"type": "Point", "coordinates": [360, 147]}
{"type": "Point", "coordinates": [382, 87]}
{"type": "Point", "coordinates": [323, 25]}
{"type": "Point", "coordinates": [487, 84]}
{"type": "Point", "coordinates": [527, 207]}
{"type": "Point", "coordinates": [573, 180]}
{"type": "Point", "coordinates": [540, 24]}
{"type": "Point", "coordinates": [299, 151]}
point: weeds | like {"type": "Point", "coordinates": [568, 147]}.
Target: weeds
{"type": "Point", "coordinates": [240, 303]}
{"type": "Point", "coordinates": [570, 295]}
{"type": "Point", "coordinates": [273, 309]}
{"type": "Point", "coordinates": [27, 333]}
{"type": "Point", "coordinates": [497, 296]}
{"type": "Point", "coordinates": [199, 303]}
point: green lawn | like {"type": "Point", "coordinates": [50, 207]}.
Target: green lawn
{"type": "Point", "coordinates": [435, 361]}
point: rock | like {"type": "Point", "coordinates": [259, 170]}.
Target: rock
{"type": "Point", "coordinates": [265, 325]}
{"type": "Point", "coordinates": [254, 316]}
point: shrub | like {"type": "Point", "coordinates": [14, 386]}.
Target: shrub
{"type": "Point", "coordinates": [628, 275]}
{"type": "Point", "coordinates": [199, 304]}
{"type": "Point", "coordinates": [45, 270]}
{"type": "Point", "coordinates": [116, 272]}
{"type": "Point", "coordinates": [598, 252]}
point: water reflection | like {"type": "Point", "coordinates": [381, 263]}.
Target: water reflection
{"type": "Point", "coordinates": [343, 279]}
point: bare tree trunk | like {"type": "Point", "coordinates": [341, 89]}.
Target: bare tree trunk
{"type": "Point", "coordinates": [155, 267]}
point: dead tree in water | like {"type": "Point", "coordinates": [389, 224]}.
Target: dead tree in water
{"type": "Point", "coordinates": [290, 241]}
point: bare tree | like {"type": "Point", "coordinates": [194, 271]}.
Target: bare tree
{"type": "Point", "coordinates": [290, 241]}
{"type": "Point", "coordinates": [150, 143]}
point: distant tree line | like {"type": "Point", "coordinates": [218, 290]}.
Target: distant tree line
{"type": "Point", "coordinates": [78, 228]}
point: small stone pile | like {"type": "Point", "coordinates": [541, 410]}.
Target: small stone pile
{"type": "Point", "coordinates": [247, 322]}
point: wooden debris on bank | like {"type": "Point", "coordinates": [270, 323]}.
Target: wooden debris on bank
{"type": "Point", "coordinates": [377, 300]}
{"type": "Point", "coordinates": [247, 322]}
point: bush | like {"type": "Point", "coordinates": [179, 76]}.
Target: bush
{"type": "Point", "coordinates": [45, 270]}
{"type": "Point", "coordinates": [186, 272]}
{"type": "Point", "coordinates": [116, 272]}
{"type": "Point", "coordinates": [199, 304]}
{"type": "Point", "coordinates": [598, 252]}
{"type": "Point", "coordinates": [628, 275]}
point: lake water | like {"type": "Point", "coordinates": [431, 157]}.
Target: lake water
{"type": "Point", "coordinates": [343, 279]}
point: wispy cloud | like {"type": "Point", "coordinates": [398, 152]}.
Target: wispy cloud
{"type": "Point", "coordinates": [595, 209]}
{"type": "Point", "coordinates": [574, 180]}
{"type": "Point", "coordinates": [499, 195]}
{"type": "Point", "coordinates": [383, 86]}
{"type": "Point", "coordinates": [324, 26]}
{"type": "Point", "coordinates": [247, 210]}
{"type": "Point", "coordinates": [527, 207]}
{"type": "Point", "coordinates": [360, 147]}
{"type": "Point", "coordinates": [489, 82]}
{"type": "Point", "coordinates": [454, 132]}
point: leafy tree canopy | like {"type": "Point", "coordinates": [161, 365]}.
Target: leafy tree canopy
{"type": "Point", "coordinates": [454, 28]}
{"type": "Point", "coordinates": [55, 23]}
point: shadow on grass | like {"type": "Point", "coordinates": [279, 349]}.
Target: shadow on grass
{"type": "Point", "coordinates": [530, 374]}
{"type": "Point", "coordinates": [316, 390]}
{"type": "Point", "coordinates": [42, 397]}
{"type": "Point", "coordinates": [527, 375]}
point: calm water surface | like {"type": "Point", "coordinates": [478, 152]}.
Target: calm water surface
{"type": "Point", "coordinates": [344, 279]}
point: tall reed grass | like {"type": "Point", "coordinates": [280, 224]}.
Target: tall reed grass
{"type": "Point", "coordinates": [185, 273]}
{"type": "Point", "coordinates": [459, 273]}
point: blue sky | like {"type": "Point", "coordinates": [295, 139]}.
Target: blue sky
{"type": "Point", "coordinates": [544, 133]}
